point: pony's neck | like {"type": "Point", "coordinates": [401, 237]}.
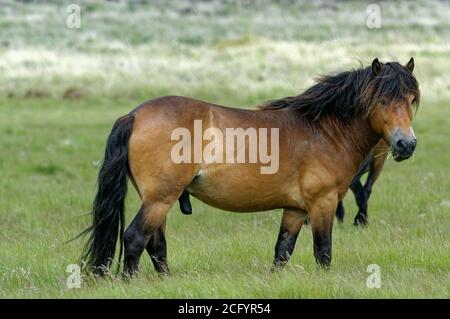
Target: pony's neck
{"type": "Point", "coordinates": [351, 140]}
{"type": "Point", "coordinates": [361, 140]}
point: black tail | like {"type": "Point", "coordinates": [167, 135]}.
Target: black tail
{"type": "Point", "coordinates": [108, 216]}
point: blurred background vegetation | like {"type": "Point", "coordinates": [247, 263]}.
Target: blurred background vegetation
{"type": "Point", "coordinates": [210, 49]}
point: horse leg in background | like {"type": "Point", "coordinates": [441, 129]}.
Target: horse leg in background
{"type": "Point", "coordinates": [157, 250]}
{"type": "Point", "coordinates": [321, 214]}
{"type": "Point", "coordinates": [361, 201]}
{"type": "Point", "coordinates": [359, 191]}
{"type": "Point", "coordinates": [291, 223]}
{"type": "Point", "coordinates": [376, 165]}
{"type": "Point", "coordinates": [355, 186]}
{"type": "Point", "coordinates": [340, 212]}
{"type": "Point", "coordinates": [146, 224]}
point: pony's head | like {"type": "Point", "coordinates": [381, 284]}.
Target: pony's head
{"type": "Point", "coordinates": [382, 94]}
{"type": "Point", "coordinates": [393, 94]}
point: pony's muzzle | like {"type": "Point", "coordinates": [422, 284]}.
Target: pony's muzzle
{"type": "Point", "coordinates": [403, 146]}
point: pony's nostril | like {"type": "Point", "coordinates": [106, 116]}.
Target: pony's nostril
{"type": "Point", "coordinates": [400, 145]}
{"type": "Point", "coordinates": [405, 146]}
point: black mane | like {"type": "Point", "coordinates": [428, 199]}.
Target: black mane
{"type": "Point", "coordinates": [353, 93]}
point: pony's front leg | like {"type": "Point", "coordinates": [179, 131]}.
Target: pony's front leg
{"type": "Point", "coordinates": [321, 212]}
{"type": "Point", "coordinates": [291, 223]}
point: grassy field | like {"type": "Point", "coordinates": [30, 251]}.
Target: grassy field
{"type": "Point", "coordinates": [61, 89]}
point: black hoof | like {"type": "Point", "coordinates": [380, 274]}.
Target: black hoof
{"type": "Point", "coordinates": [323, 261]}
{"type": "Point", "coordinates": [277, 266]}
{"type": "Point", "coordinates": [361, 220]}
{"type": "Point", "coordinates": [127, 276]}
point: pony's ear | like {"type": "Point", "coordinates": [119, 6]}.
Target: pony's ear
{"type": "Point", "coordinates": [410, 65]}
{"type": "Point", "coordinates": [376, 66]}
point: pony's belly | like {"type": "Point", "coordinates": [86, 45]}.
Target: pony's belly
{"type": "Point", "coordinates": [234, 204]}
{"type": "Point", "coordinates": [243, 192]}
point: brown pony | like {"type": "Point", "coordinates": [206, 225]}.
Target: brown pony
{"type": "Point", "coordinates": [320, 137]}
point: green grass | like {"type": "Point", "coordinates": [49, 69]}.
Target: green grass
{"type": "Point", "coordinates": [60, 91]}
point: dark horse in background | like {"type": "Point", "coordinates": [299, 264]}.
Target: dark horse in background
{"type": "Point", "coordinates": [372, 165]}
{"type": "Point", "coordinates": [324, 135]}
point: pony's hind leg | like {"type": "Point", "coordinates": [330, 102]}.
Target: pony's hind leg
{"type": "Point", "coordinates": [148, 222]}
{"type": "Point", "coordinates": [291, 223]}
{"type": "Point", "coordinates": [157, 250]}
{"type": "Point", "coordinates": [135, 240]}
